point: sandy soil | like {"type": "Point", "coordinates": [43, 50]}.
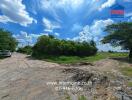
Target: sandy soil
{"type": "Point", "coordinates": [23, 78]}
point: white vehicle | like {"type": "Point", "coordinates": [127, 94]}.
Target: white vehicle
{"type": "Point", "coordinates": [5, 53]}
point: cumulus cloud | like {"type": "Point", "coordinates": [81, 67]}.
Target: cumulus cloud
{"type": "Point", "coordinates": [15, 11]}
{"type": "Point", "coordinates": [27, 39]}
{"type": "Point", "coordinates": [108, 3]}
{"type": "Point", "coordinates": [107, 47]}
{"type": "Point", "coordinates": [23, 37]}
{"type": "Point", "coordinates": [95, 32]}
{"type": "Point", "coordinates": [50, 25]}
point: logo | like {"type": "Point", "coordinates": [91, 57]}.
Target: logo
{"type": "Point", "coordinates": [117, 11]}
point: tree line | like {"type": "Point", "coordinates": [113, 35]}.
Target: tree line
{"type": "Point", "coordinates": [48, 45]}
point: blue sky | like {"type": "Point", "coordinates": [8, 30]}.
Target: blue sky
{"type": "Point", "coordinates": [80, 20]}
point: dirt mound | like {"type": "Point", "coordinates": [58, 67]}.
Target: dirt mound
{"type": "Point", "coordinates": [86, 76]}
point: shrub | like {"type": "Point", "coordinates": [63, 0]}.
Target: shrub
{"type": "Point", "coordinates": [47, 45]}
{"type": "Point", "coordinates": [25, 50]}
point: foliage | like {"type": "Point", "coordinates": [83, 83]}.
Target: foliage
{"type": "Point", "coordinates": [129, 84]}
{"type": "Point", "coordinates": [111, 51]}
{"type": "Point", "coordinates": [25, 50]}
{"type": "Point", "coordinates": [48, 45]}
{"type": "Point", "coordinates": [82, 97]}
{"type": "Point", "coordinates": [7, 42]}
{"type": "Point", "coordinates": [127, 71]}
{"type": "Point", "coordinates": [120, 34]}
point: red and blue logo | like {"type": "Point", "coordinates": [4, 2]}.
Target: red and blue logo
{"type": "Point", "coordinates": [117, 11]}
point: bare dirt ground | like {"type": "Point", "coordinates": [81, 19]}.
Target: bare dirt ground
{"type": "Point", "coordinates": [23, 78]}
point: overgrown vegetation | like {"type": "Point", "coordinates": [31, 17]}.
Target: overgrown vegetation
{"type": "Point", "coordinates": [25, 50]}
{"type": "Point", "coordinates": [76, 59]}
{"type": "Point", "coordinates": [127, 71]}
{"type": "Point", "coordinates": [129, 84]}
{"type": "Point", "coordinates": [50, 46]}
{"type": "Point", "coordinates": [82, 97]}
{"type": "Point", "coordinates": [7, 42]}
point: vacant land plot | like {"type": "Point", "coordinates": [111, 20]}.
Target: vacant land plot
{"type": "Point", "coordinates": [24, 78]}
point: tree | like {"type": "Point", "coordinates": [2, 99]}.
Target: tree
{"type": "Point", "coordinates": [7, 42]}
{"type": "Point", "coordinates": [120, 34]}
{"type": "Point", "coordinates": [48, 45]}
{"type": "Point", "coordinates": [25, 50]}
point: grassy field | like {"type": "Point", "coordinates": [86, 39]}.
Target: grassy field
{"type": "Point", "coordinates": [75, 59]}
{"type": "Point", "coordinates": [129, 84]}
{"type": "Point", "coordinates": [127, 71]}
{"type": "Point", "coordinates": [82, 97]}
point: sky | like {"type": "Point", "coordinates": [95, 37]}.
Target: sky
{"type": "Point", "coordinates": [78, 20]}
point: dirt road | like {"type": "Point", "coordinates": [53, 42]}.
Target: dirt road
{"type": "Point", "coordinates": [23, 78]}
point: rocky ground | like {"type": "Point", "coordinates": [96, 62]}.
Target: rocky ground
{"type": "Point", "coordinates": [24, 78]}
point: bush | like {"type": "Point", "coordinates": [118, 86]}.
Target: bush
{"type": "Point", "coordinates": [7, 41]}
{"type": "Point", "coordinates": [25, 50]}
{"type": "Point", "coordinates": [111, 51]}
{"type": "Point", "coordinates": [47, 45]}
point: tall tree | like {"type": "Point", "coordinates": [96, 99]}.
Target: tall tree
{"type": "Point", "coordinates": [7, 42]}
{"type": "Point", "coordinates": [120, 34]}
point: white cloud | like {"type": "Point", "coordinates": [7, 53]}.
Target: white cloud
{"type": "Point", "coordinates": [24, 38]}
{"type": "Point", "coordinates": [50, 26]}
{"type": "Point", "coordinates": [95, 32]}
{"type": "Point", "coordinates": [61, 4]}
{"type": "Point", "coordinates": [107, 47]}
{"type": "Point", "coordinates": [68, 39]}
{"type": "Point", "coordinates": [57, 34]}
{"type": "Point", "coordinates": [129, 14]}
{"type": "Point", "coordinates": [4, 19]}
{"type": "Point", "coordinates": [70, 8]}
{"type": "Point", "coordinates": [53, 6]}
{"type": "Point", "coordinates": [108, 3]}
{"type": "Point", "coordinates": [14, 11]}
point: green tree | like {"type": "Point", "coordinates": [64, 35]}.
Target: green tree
{"type": "Point", "coordinates": [49, 45]}
{"type": "Point", "coordinates": [7, 42]}
{"type": "Point", "coordinates": [25, 50]}
{"type": "Point", "coordinates": [120, 34]}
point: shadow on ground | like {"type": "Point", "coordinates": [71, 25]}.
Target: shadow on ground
{"type": "Point", "coordinates": [120, 59]}
{"type": "Point", "coordinates": [31, 58]}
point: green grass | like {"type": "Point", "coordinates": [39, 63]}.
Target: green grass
{"type": "Point", "coordinates": [68, 98]}
{"type": "Point", "coordinates": [129, 84]}
{"type": "Point", "coordinates": [82, 97]}
{"type": "Point", "coordinates": [76, 59]}
{"type": "Point", "coordinates": [127, 71]}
